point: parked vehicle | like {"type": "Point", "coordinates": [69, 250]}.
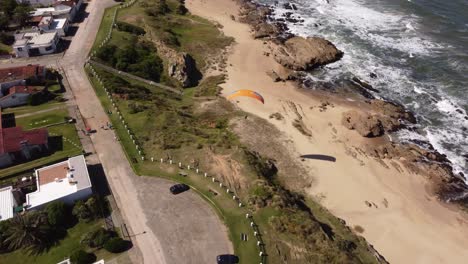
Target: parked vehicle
{"type": "Point", "coordinates": [179, 188]}
{"type": "Point", "coordinates": [227, 259]}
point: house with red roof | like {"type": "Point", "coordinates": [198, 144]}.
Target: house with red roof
{"type": "Point", "coordinates": [18, 95]}
{"type": "Point", "coordinates": [13, 76]}
{"type": "Point", "coordinates": [17, 145]}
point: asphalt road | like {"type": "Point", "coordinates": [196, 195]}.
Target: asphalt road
{"type": "Point", "coordinates": [166, 229]}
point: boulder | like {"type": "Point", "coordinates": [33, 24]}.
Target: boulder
{"type": "Point", "coordinates": [303, 54]}
{"type": "Point", "coordinates": [365, 124]}
{"type": "Point", "coordinates": [182, 67]}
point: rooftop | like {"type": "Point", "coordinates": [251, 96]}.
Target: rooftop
{"type": "Point", "coordinates": [59, 180]}
{"type": "Point", "coordinates": [12, 138]}
{"type": "Point", "coordinates": [6, 203]}
{"type": "Point", "coordinates": [22, 72]}
{"type": "Point", "coordinates": [58, 23]}
{"type": "Point", "coordinates": [46, 21]}
{"type": "Point", "coordinates": [24, 89]}
{"type": "Point", "coordinates": [42, 11]}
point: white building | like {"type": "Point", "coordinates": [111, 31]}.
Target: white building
{"type": "Point", "coordinates": [50, 24]}
{"type": "Point", "coordinates": [67, 181]}
{"type": "Point", "coordinates": [35, 43]}
{"type": "Point", "coordinates": [36, 2]}
{"type": "Point", "coordinates": [60, 9]}
{"type": "Point", "coordinates": [7, 203]}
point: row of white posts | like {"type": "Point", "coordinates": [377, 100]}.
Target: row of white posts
{"type": "Point", "coordinates": [117, 111]}
{"type": "Point", "coordinates": [255, 229]}
{"type": "Point", "coordinates": [109, 34]}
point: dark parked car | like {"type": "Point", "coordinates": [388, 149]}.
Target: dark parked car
{"type": "Point", "coordinates": [178, 188]}
{"type": "Point", "coordinates": [227, 259]}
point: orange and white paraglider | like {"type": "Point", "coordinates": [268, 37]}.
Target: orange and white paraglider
{"type": "Point", "coordinates": [248, 93]}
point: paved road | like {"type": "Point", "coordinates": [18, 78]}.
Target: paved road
{"type": "Point", "coordinates": [163, 234]}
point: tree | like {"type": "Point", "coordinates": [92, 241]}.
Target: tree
{"type": "Point", "coordinates": [8, 7]}
{"type": "Point", "coordinates": [30, 231]}
{"type": "Point", "coordinates": [82, 212]}
{"type": "Point", "coordinates": [56, 213]}
{"type": "Point", "coordinates": [93, 205]}
{"type": "Point", "coordinates": [116, 245]}
{"type": "Point", "coordinates": [97, 238]}
{"type": "Point", "coordinates": [4, 22]}
{"type": "Point", "coordinates": [21, 14]}
{"type": "Point", "coordinates": [4, 226]}
{"type": "Point", "coordinates": [82, 257]}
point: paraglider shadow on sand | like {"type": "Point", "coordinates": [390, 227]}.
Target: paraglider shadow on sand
{"type": "Point", "coordinates": [319, 157]}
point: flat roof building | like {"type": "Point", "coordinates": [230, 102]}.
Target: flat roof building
{"type": "Point", "coordinates": [67, 181]}
{"type": "Point", "coordinates": [35, 43]}
{"type": "Point", "coordinates": [7, 203]}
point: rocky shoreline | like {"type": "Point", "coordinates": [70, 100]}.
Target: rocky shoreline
{"type": "Point", "coordinates": [379, 116]}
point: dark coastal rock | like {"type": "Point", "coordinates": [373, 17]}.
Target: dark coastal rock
{"type": "Point", "coordinates": [364, 84]}
{"type": "Point", "coordinates": [394, 111]}
{"type": "Point", "coordinates": [303, 54]}
{"type": "Point", "coordinates": [366, 125]}
{"type": "Point", "coordinates": [182, 67]}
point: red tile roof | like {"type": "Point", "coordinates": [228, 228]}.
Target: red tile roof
{"type": "Point", "coordinates": [18, 73]}
{"type": "Point", "coordinates": [24, 89]}
{"type": "Point", "coordinates": [36, 19]}
{"type": "Point", "coordinates": [12, 138]}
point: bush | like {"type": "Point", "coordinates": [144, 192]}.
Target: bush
{"type": "Point", "coordinates": [82, 212]}
{"type": "Point", "coordinates": [56, 213]}
{"type": "Point", "coordinates": [97, 239]}
{"type": "Point", "coordinates": [82, 257]}
{"type": "Point", "coordinates": [116, 245]}
{"type": "Point", "coordinates": [122, 26]}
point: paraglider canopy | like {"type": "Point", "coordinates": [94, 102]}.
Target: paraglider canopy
{"type": "Point", "coordinates": [248, 93]}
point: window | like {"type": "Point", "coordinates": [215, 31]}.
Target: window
{"type": "Point", "coordinates": [20, 49]}
{"type": "Point", "coordinates": [48, 48]}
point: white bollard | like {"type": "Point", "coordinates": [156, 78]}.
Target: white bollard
{"type": "Point", "coordinates": [227, 190]}
{"type": "Point", "coordinates": [234, 197]}
{"type": "Point", "coordinates": [180, 164]}
{"type": "Point", "coordinates": [139, 152]}
{"type": "Point", "coordinates": [213, 179]}
{"type": "Point", "coordinates": [240, 204]}
{"type": "Point", "coordinates": [133, 141]}
{"type": "Point", "coordinates": [196, 170]}
{"type": "Point", "coordinates": [170, 162]}
{"type": "Point", "coordinates": [255, 233]}
{"type": "Point", "coordinates": [188, 167]}
{"type": "Point", "coordinates": [152, 159]}
{"type": "Point", "coordinates": [258, 243]}
{"type": "Point", "coordinates": [142, 158]}
{"type": "Point", "coordinates": [162, 160]}
{"type": "Point", "coordinates": [252, 224]}
{"type": "Point", "coordinates": [261, 253]}
{"type": "Point", "coordinates": [220, 185]}
{"type": "Point", "coordinates": [206, 175]}
{"type": "Point", "coordinates": [247, 215]}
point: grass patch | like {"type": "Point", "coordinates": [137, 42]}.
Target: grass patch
{"type": "Point", "coordinates": [210, 86]}
{"type": "Point", "coordinates": [61, 251]}
{"type": "Point", "coordinates": [21, 110]}
{"type": "Point", "coordinates": [66, 149]}
{"type": "Point", "coordinates": [5, 49]}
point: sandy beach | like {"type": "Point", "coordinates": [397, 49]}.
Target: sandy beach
{"type": "Point", "coordinates": [404, 222]}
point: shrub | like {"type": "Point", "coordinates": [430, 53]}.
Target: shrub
{"type": "Point", "coordinates": [82, 257]}
{"type": "Point", "coordinates": [181, 9]}
{"type": "Point", "coordinates": [97, 238]}
{"type": "Point", "coordinates": [122, 26]}
{"type": "Point", "coordinates": [82, 212]}
{"type": "Point", "coordinates": [116, 245]}
{"type": "Point", "coordinates": [56, 213]}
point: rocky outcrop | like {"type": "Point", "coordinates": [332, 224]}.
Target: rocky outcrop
{"type": "Point", "coordinates": [304, 54]}
{"type": "Point", "coordinates": [182, 67]}
{"type": "Point", "coordinates": [427, 162]}
{"type": "Point", "coordinates": [365, 124]}
{"type": "Point", "coordinates": [382, 117]}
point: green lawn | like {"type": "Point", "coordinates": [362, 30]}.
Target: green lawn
{"type": "Point", "coordinates": [21, 110]}
{"type": "Point", "coordinates": [67, 131]}
{"type": "Point", "coordinates": [5, 49]}
{"type": "Point", "coordinates": [61, 251]}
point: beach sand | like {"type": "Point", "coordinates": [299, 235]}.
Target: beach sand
{"type": "Point", "coordinates": [404, 223]}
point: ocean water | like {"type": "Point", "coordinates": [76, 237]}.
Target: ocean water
{"type": "Point", "coordinates": [418, 50]}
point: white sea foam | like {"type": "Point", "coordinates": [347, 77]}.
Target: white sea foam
{"type": "Point", "coordinates": [359, 29]}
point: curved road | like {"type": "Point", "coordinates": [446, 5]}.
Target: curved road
{"type": "Point", "coordinates": [168, 229]}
